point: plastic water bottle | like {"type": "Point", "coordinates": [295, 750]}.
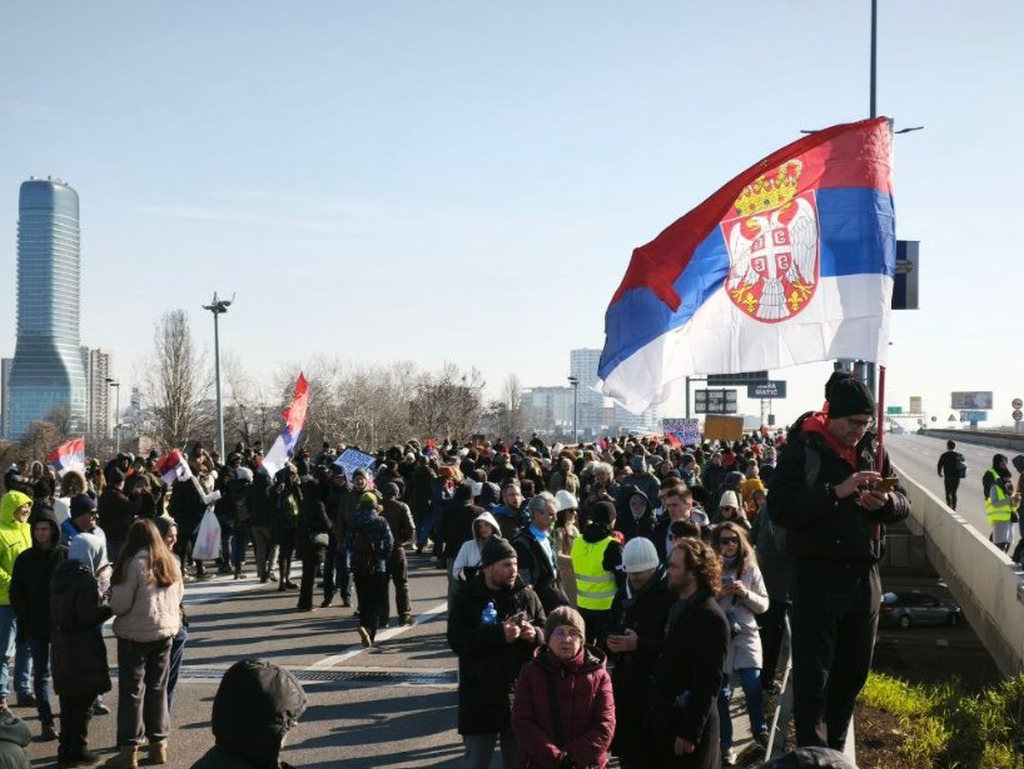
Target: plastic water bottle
{"type": "Point", "coordinates": [489, 615]}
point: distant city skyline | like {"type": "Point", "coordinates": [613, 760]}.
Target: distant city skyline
{"type": "Point", "coordinates": [463, 182]}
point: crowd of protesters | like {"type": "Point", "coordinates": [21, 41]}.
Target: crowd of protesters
{"type": "Point", "coordinates": [603, 598]}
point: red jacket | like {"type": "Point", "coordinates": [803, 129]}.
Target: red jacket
{"type": "Point", "coordinates": [587, 709]}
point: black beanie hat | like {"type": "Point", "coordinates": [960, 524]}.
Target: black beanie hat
{"type": "Point", "coordinates": [603, 513]}
{"type": "Point", "coordinates": [495, 549]}
{"type": "Point", "coordinates": [847, 396]}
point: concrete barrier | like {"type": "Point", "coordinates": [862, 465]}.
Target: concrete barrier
{"type": "Point", "coordinates": [1011, 441]}
{"type": "Point", "coordinates": [985, 582]}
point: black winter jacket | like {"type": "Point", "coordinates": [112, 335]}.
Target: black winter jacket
{"type": "Point", "coordinates": [79, 656]}
{"type": "Point", "coordinates": [30, 588]}
{"type": "Point", "coordinates": [489, 667]}
{"type": "Point", "coordinates": [645, 613]}
{"type": "Point", "coordinates": [819, 526]}
{"type": "Point", "coordinates": [537, 571]}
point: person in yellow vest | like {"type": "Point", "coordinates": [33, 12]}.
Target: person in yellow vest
{"type": "Point", "coordinates": [596, 558]}
{"type": "Point", "coordinates": [1000, 502]}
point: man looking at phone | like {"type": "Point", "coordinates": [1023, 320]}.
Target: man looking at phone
{"type": "Point", "coordinates": [822, 495]}
{"type": "Point", "coordinates": [495, 623]}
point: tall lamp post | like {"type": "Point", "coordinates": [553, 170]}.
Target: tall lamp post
{"type": "Point", "coordinates": [218, 307]}
{"type": "Point", "coordinates": [575, 382]}
{"type": "Point", "coordinates": [117, 413]}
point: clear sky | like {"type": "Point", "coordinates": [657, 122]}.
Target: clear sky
{"type": "Point", "coordinates": [466, 180]}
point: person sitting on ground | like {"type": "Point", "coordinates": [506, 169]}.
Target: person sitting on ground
{"type": "Point", "coordinates": [256, 706]}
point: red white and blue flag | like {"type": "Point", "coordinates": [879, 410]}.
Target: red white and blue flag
{"type": "Point", "coordinates": [68, 456]}
{"type": "Point", "coordinates": [295, 420]}
{"type": "Point", "coordinates": [172, 467]}
{"type": "Point", "coordinates": [790, 262]}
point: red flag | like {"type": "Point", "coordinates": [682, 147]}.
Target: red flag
{"type": "Point", "coordinates": [295, 414]}
{"type": "Point", "coordinates": [673, 441]}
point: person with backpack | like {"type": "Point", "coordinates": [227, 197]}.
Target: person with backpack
{"type": "Point", "coordinates": [952, 467]}
{"type": "Point", "coordinates": [368, 542]}
{"type": "Point", "coordinates": [822, 496]}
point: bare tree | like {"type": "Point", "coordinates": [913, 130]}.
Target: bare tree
{"type": "Point", "coordinates": [179, 383]}
{"type": "Point", "coordinates": [39, 440]}
{"type": "Point", "coordinates": [447, 403]}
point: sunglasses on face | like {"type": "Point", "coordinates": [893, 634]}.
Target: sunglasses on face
{"type": "Point", "coordinates": [729, 540]}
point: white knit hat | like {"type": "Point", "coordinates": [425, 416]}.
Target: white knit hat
{"type": "Point", "coordinates": [566, 500]}
{"type": "Point", "coordinates": [639, 555]}
{"type": "Point", "coordinates": [729, 499]}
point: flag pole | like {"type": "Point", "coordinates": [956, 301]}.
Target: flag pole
{"type": "Point", "coordinates": [880, 424]}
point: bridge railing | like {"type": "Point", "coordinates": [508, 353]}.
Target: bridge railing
{"type": "Point", "coordinates": [988, 585]}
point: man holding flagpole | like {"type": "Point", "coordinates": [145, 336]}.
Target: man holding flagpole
{"type": "Point", "coordinates": [829, 497]}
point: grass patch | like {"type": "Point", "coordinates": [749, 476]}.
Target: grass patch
{"type": "Point", "coordinates": [945, 727]}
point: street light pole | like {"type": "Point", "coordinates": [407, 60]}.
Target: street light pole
{"type": "Point", "coordinates": [117, 413]}
{"type": "Point", "coordinates": [575, 392]}
{"type": "Point", "coordinates": [218, 307]}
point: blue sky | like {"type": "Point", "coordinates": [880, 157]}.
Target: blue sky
{"type": "Point", "coordinates": [466, 180]}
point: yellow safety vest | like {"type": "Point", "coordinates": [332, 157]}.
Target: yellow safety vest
{"type": "Point", "coordinates": [1001, 511]}
{"type": "Point", "coordinates": [595, 587]}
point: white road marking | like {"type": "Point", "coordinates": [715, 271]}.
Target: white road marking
{"type": "Point", "coordinates": [351, 651]}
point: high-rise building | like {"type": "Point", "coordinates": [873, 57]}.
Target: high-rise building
{"type": "Point", "coordinates": [598, 414]}
{"type": "Point", "coordinates": [5, 393]}
{"type": "Point", "coordinates": [97, 371]}
{"type": "Point", "coordinates": [47, 372]}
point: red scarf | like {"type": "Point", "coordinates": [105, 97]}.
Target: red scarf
{"type": "Point", "coordinates": [819, 423]}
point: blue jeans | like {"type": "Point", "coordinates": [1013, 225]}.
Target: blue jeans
{"type": "Point", "coordinates": [424, 528]}
{"type": "Point", "coordinates": [177, 656]}
{"type": "Point", "coordinates": [40, 650]}
{"type": "Point", "coordinates": [20, 652]}
{"type": "Point", "coordinates": [750, 680]}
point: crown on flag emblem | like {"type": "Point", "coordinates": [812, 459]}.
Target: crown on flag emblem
{"type": "Point", "coordinates": [773, 246]}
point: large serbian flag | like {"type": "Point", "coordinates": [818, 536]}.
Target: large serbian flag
{"type": "Point", "coordinates": [68, 456]}
{"type": "Point", "coordinates": [172, 467]}
{"type": "Point", "coordinates": [295, 420]}
{"type": "Point", "coordinates": [790, 262]}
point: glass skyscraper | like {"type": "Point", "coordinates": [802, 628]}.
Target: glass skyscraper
{"type": "Point", "coordinates": [47, 372]}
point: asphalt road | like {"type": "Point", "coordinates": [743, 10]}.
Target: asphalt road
{"type": "Point", "coordinates": [393, 706]}
{"type": "Point", "coordinates": [918, 455]}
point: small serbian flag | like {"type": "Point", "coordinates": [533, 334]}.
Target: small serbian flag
{"type": "Point", "coordinates": [790, 262]}
{"type": "Point", "coordinates": [295, 420]}
{"type": "Point", "coordinates": [68, 456]}
{"type": "Point", "coordinates": [673, 440]}
{"type": "Point", "coordinates": [173, 467]}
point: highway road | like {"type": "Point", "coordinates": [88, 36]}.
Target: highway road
{"type": "Point", "coordinates": [918, 455]}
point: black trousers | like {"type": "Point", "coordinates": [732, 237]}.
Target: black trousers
{"type": "Point", "coordinates": [772, 626]}
{"type": "Point", "coordinates": [372, 592]}
{"type": "Point", "coordinates": [286, 549]}
{"type": "Point", "coordinates": [336, 573]}
{"type": "Point", "coordinates": [75, 714]}
{"type": "Point", "coordinates": [312, 557]}
{"type": "Point", "coordinates": [835, 617]}
{"type": "Point", "coordinates": [398, 573]}
{"type": "Point", "coordinates": [951, 484]}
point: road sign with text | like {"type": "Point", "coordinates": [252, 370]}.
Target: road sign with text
{"type": "Point", "coordinates": [774, 388]}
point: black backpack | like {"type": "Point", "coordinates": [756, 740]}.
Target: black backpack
{"type": "Point", "coordinates": [961, 466]}
{"type": "Point", "coordinates": [364, 551]}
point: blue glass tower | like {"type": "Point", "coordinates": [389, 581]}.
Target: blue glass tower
{"type": "Point", "coordinates": [47, 371]}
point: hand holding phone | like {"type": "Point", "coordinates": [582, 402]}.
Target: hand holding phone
{"type": "Point", "coordinates": [885, 485]}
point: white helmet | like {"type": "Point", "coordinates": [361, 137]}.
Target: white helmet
{"type": "Point", "coordinates": [566, 501]}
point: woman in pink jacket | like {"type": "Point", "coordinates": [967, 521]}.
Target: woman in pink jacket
{"type": "Point", "coordinates": [145, 595]}
{"type": "Point", "coordinates": [564, 714]}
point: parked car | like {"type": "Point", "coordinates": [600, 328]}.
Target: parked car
{"type": "Point", "coordinates": [914, 608]}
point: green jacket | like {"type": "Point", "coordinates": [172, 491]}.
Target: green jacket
{"type": "Point", "coordinates": [15, 538]}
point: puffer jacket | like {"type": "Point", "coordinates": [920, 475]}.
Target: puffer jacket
{"type": "Point", "coordinates": [256, 704]}
{"type": "Point", "coordinates": [585, 704]}
{"type": "Point", "coordinates": [378, 533]}
{"type": "Point", "coordinates": [14, 738]}
{"type": "Point", "coordinates": [76, 642]}
{"type": "Point", "coordinates": [144, 610]}
{"type": "Point", "coordinates": [15, 538]}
